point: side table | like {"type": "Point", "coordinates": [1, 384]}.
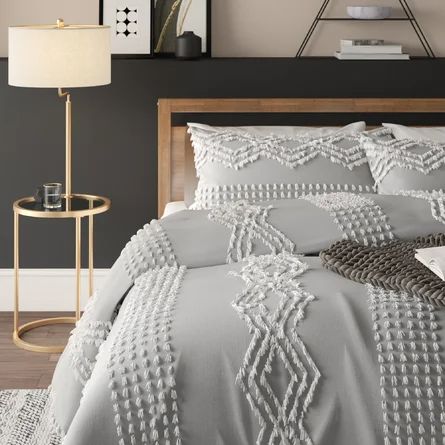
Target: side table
{"type": "Point", "coordinates": [76, 206]}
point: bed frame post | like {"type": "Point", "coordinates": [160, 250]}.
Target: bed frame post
{"type": "Point", "coordinates": [164, 154]}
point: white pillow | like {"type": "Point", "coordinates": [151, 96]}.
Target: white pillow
{"type": "Point", "coordinates": [435, 134]}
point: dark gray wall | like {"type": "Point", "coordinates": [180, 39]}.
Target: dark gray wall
{"type": "Point", "coordinates": [114, 134]}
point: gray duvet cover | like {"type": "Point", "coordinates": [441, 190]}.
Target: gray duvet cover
{"type": "Point", "coordinates": [214, 329]}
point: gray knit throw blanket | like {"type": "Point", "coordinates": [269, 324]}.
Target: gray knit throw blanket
{"type": "Point", "coordinates": [392, 267]}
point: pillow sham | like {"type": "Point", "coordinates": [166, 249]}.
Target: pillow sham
{"type": "Point", "coordinates": [435, 134]}
{"type": "Point", "coordinates": [289, 131]}
{"type": "Point", "coordinates": [405, 164]}
{"type": "Point", "coordinates": [262, 163]}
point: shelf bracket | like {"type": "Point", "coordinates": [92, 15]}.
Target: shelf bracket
{"type": "Point", "coordinates": [409, 17]}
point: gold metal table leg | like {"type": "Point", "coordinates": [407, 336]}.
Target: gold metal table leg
{"type": "Point", "coordinates": [91, 252]}
{"type": "Point", "coordinates": [78, 263]}
{"type": "Point", "coordinates": [16, 271]}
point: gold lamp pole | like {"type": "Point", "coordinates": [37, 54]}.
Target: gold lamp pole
{"type": "Point", "coordinates": [68, 192]}
{"type": "Point", "coordinates": [67, 141]}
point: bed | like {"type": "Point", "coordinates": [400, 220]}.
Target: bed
{"type": "Point", "coordinates": [224, 325]}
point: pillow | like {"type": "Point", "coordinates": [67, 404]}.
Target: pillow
{"type": "Point", "coordinates": [262, 163]}
{"type": "Point", "coordinates": [435, 134]}
{"type": "Point", "coordinates": [291, 131]}
{"type": "Point", "coordinates": [405, 164]}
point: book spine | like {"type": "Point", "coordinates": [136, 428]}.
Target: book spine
{"type": "Point", "coordinates": [359, 42]}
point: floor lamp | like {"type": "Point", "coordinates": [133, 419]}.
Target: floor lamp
{"type": "Point", "coordinates": [60, 56]}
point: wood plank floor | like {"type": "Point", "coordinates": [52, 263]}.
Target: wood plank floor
{"type": "Point", "coordinates": [23, 369]}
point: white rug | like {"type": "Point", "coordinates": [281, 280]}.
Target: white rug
{"type": "Point", "coordinates": [26, 418]}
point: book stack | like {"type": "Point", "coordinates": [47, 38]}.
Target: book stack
{"type": "Point", "coordinates": [373, 49]}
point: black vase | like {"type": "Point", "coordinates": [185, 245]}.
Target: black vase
{"type": "Point", "coordinates": [188, 46]}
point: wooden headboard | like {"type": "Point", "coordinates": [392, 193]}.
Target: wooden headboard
{"type": "Point", "coordinates": [174, 148]}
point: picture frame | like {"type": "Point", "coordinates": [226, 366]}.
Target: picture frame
{"type": "Point", "coordinates": [131, 23]}
{"type": "Point", "coordinates": [172, 17]}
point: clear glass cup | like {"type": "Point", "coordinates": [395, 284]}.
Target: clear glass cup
{"type": "Point", "coordinates": [52, 195]}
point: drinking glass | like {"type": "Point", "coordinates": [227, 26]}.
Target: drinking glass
{"type": "Point", "coordinates": [52, 195]}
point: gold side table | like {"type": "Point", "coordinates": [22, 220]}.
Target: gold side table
{"type": "Point", "coordinates": [77, 207]}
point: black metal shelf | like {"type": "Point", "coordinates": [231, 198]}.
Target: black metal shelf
{"type": "Point", "coordinates": [345, 19]}
{"type": "Point", "coordinates": [409, 17]}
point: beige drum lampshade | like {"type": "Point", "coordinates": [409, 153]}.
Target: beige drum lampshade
{"type": "Point", "coordinates": [52, 56]}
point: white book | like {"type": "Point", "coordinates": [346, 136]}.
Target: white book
{"type": "Point", "coordinates": [434, 259]}
{"type": "Point", "coordinates": [376, 56]}
{"type": "Point", "coordinates": [371, 49]}
{"type": "Point", "coordinates": [359, 42]}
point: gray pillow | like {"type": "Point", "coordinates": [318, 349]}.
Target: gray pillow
{"type": "Point", "coordinates": [405, 164]}
{"type": "Point", "coordinates": [258, 164]}
{"type": "Point", "coordinates": [435, 134]}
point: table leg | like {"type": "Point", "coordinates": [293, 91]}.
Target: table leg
{"type": "Point", "coordinates": [78, 263]}
{"type": "Point", "coordinates": [16, 271]}
{"type": "Point", "coordinates": [91, 253]}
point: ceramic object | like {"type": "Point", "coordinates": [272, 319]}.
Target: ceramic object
{"type": "Point", "coordinates": [188, 46]}
{"type": "Point", "coordinates": [369, 12]}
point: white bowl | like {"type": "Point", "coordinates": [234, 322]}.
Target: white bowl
{"type": "Point", "coordinates": [369, 12]}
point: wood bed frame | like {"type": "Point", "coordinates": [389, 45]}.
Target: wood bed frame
{"type": "Point", "coordinates": [174, 147]}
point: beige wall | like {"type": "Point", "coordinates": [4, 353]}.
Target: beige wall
{"type": "Point", "coordinates": [277, 27]}
{"type": "Point", "coordinates": [22, 12]}
{"type": "Point", "coordinates": [257, 28]}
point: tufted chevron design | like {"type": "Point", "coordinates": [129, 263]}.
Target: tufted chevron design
{"type": "Point", "coordinates": [423, 157]}
{"type": "Point", "coordinates": [275, 341]}
{"type": "Point", "coordinates": [235, 150]}
{"type": "Point", "coordinates": [249, 222]}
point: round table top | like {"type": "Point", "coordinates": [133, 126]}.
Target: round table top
{"type": "Point", "coordinates": [76, 206]}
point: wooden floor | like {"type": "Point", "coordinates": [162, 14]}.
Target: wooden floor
{"type": "Point", "coordinates": [23, 369]}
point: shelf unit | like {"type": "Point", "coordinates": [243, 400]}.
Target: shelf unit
{"type": "Point", "coordinates": [409, 17]}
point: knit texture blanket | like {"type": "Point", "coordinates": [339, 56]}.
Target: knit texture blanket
{"type": "Point", "coordinates": [392, 266]}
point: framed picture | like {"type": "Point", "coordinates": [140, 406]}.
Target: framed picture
{"type": "Point", "coordinates": [131, 25]}
{"type": "Point", "coordinates": [173, 17]}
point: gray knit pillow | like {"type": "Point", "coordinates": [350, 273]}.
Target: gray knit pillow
{"type": "Point", "coordinates": [405, 164]}
{"type": "Point", "coordinates": [256, 165]}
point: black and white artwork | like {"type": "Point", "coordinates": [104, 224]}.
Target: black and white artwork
{"type": "Point", "coordinates": [130, 22]}
{"type": "Point", "coordinates": [126, 22]}
{"type": "Point", "coordinates": [173, 17]}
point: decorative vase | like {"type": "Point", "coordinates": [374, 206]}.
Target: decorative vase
{"type": "Point", "coordinates": [369, 12]}
{"type": "Point", "coordinates": [188, 46]}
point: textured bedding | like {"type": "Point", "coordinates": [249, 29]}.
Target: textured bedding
{"type": "Point", "coordinates": [213, 328]}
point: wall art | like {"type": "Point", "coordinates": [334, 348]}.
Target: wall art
{"type": "Point", "coordinates": [131, 25]}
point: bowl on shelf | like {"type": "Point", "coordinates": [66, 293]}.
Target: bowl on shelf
{"type": "Point", "coordinates": [369, 12]}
